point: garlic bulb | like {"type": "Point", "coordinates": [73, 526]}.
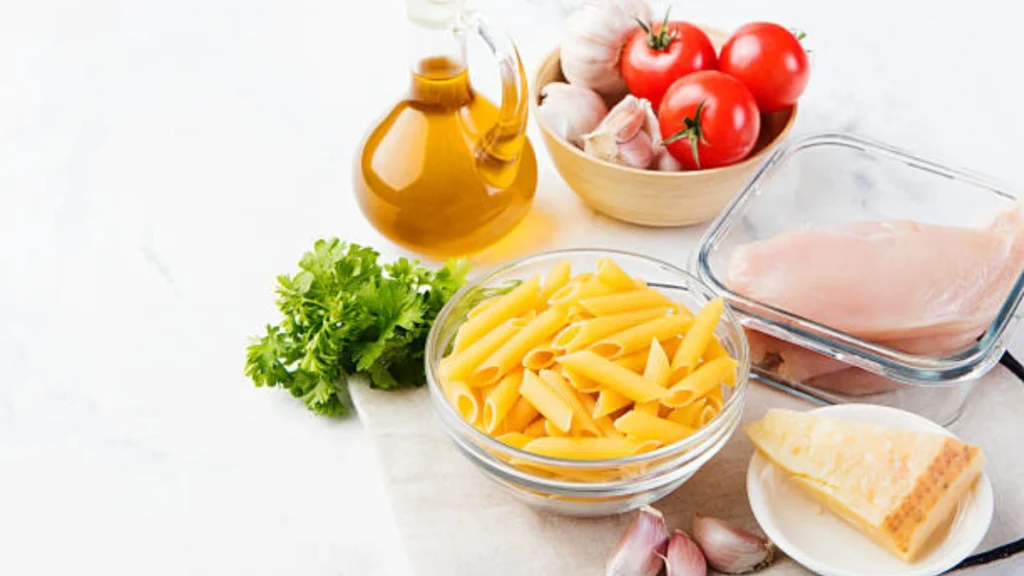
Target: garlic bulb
{"type": "Point", "coordinates": [640, 549]}
{"type": "Point", "coordinates": [731, 549]}
{"type": "Point", "coordinates": [594, 36]}
{"type": "Point", "coordinates": [570, 111]}
{"type": "Point", "coordinates": [684, 557]}
{"type": "Point", "coordinates": [628, 135]}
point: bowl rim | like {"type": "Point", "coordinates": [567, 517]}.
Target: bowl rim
{"type": "Point", "coordinates": [554, 57]}
{"type": "Point", "coordinates": [735, 402]}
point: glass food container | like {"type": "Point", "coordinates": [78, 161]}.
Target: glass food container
{"type": "Point", "coordinates": [589, 487]}
{"type": "Point", "coordinates": [830, 179]}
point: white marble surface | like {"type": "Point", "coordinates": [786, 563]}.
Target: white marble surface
{"type": "Point", "coordinates": [161, 162]}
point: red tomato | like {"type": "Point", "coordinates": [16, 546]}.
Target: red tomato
{"type": "Point", "coordinates": [709, 119]}
{"type": "Point", "coordinates": [770, 61]}
{"type": "Point", "coordinates": [656, 56]}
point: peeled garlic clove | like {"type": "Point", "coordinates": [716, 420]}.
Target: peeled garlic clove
{"type": "Point", "coordinates": [571, 111]}
{"type": "Point", "coordinates": [640, 548]}
{"type": "Point", "coordinates": [628, 135]}
{"type": "Point", "coordinates": [731, 549]}
{"type": "Point", "coordinates": [684, 557]}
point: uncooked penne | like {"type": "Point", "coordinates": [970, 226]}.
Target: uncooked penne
{"type": "Point", "coordinates": [584, 448]}
{"type": "Point", "coordinates": [517, 440]}
{"type": "Point", "coordinates": [548, 402]}
{"type": "Point", "coordinates": [638, 337]}
{"type": "Point", "coordinates": [499, 402]}
{"type": "Point", "coordinates": [511, 353]}
{"type": "Point", "coordinates": [539, 358]}
{"type": "Point", "coordinates": [515, 303]}
{"type": "Point", "coordinates": [714, 397]}
{"type": "Point", "coordinates": [610, 273]}
{"type": "Point", "coordinates": [604, 424]}
{"type": "Point", "coordinates": [483, 305]}
{"type": "Point", "coordinates": [697, 338]}
{"type": "Point", "coordinates": [579, 335]}
{"type": "Point", "coordinates": [635, 362]}
{"type": "Point", "coordinates": [557, 277]}
{"type": "Point", "coordinates": [615, 377]}
{"type": "Point", "coordinates": [624, 302]}
{"type": "Point", "coordinates": [689, 415]}
{"type": "Point", "coordinates": [698, 384]}
{"type": "Point", "coordinates": [535, 429]}
{"type": "Point", "coordinates": [572, 293]}
{"type": "Point", "coordinates": [608, 402]}
{"type": "Point", "coordinates": [461, 364]}
{"type": "Point", "coordinates": [551, 430]}
{"type": "Point", "coordinates": [707, 414]}
{"type": "Point", "coordinates": [581, 417]}
{"type": "Point", "coordinates": [520, 416]}
{"type": "Point", "coordinates": [646, 426]}
{"type": "Point", "coordinates": [462, 398]}
{"type": "Point", "coordinates": [580, 383]}
{"type": "Point", "coordinates": [657, 368]}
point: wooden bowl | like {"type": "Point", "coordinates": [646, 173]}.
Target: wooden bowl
{"type": "Point", "coordinates": [649, 197]}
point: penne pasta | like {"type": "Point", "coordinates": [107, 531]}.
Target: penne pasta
{"type": "Point", "coordinates": [584, 448]}
{"type": "Point", "coordinates": [615, 377]}
{"type": "Point", "coordinates": [609, 273]}
{"type": "Point", "coordinates": [462, 364]}
{"type": "Point", "coordinates": [698, 384]}
{"type": "Point", "coordinates": [657, 368]}
{"type": "Point", "coordinates": [580, 383]}
{"type": "Point", "coordinates": [536, 428]}
{"type": "Point", "coordinates": [484, 305]}
{"type": "Point", "coordinates": [551, 430]}
{"type": "Point", "coordinates": [638, 337]}
{"type": "Point", "coordinates": [539, 358]}
{"type": "Point", "coordinates": [648, 427]}
{"type": "Point", "coordinates": [707, 414]}
{"type": "Point", "coordinates": [511, 353]}
{"type": "Point", "coordinates": [604, 424]}
{"type": "Point", "coordinates": [501, 399]}
{"type": "Point", "coordinates": [635, 362]}
{"type": "Point", "coordinates": [652, 408]}
{"type": "Point", "coordinates": [609, 402]}
{"type": "Point", "coordinates": [624, 302]}
{"type": "Point", "coordinates": [462, 398]}
{"type": "Point", "coordinates": [515, 303]}
{"type": "Point", "coordinates": [581, 416]}
{"type": "Point", "coordinates": [556, 278]}
{"type": "Point", "coordinates": [688, 415]}
{"type": "Point", "coordinates": [516, 440]}
{"type": "Point", "coordinates": [572, 293]}
{"type": "Point", "coordinates": [714, 349]}
{"type": "Point", "coordinates": [580, 334]}
{"type": "Point", "coordinates": [520, 415]}
{"type": "Point", "coordinates": [714, 397]}
{"type": "Point", "coordinates": [697, 339]}
{"type": "Point", "coordinates": [548, 402]}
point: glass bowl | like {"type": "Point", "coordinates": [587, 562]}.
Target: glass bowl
{"type": "Point", "coordinates": [829, 179]}
{"type": "Point", "coordinates": [594, 487]}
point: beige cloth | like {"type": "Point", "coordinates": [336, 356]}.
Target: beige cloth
{"type": "Point", "coordinates": [455, 522]}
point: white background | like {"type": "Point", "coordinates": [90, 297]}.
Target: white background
{"type": "Point", "coordinates": [162, 161]}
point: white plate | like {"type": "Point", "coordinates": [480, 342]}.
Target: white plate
{"type": "Point", "coordinates": [827, 545]}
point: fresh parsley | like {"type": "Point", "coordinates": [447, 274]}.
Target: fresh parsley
{"type": "Point", "coordinates": [343, 314]}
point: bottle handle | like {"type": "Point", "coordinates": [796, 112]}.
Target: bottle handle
{"type": "Point", "coordinates": [504, 142]}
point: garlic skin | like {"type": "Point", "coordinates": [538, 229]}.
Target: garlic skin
{"type": "Point", "coordinates": [731, 549]}
{"type": "Point", "coordinates": [666, 162]}
{"type": "Point", "coordinates": [684, 557]}
{"type": "Point", "coordinates": [594, 36]}
{"type": "Point", "coordinates": [641, 547]}
{"type": "Point", "coordinates": [571, 111]}
{"type": "Point", "coordinates": [628, 135]}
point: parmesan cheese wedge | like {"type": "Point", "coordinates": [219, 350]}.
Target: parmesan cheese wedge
{"type": "Point", "coordinates": [894, 485]}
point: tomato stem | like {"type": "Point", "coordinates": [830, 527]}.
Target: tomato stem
{"type": "Point", "coordinates": [692, 132]}
{"type": "Point", "coordinates": [663, 38]}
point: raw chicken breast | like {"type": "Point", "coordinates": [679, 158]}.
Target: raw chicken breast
{"type": "Point", "coordinates": [887, 281]}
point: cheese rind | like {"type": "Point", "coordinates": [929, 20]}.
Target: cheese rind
{"type": "Point", "coordinates": [896, 486]}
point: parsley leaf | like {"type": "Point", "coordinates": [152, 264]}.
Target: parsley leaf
{"type": "Point", "coordinates": [343, 314]}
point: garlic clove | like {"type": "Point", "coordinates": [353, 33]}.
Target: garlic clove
{"type": "Point", "coordinates": [570, 111]}
{"type": "Point", "coordinates": [626, 136]}
{"type": "Point", "coordinates": [641, 547]}
{"type": "Point", "coordinates": [593, 39]}
{"type": "Point", "coordinates": [684, 557]}
{"type": "Point", "coordinates": [731, 549]}
{"type": "Point", "coordinates": [666, 162]}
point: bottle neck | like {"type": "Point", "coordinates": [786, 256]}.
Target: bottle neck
{"type": "Point", "coordinates": [437, 60]}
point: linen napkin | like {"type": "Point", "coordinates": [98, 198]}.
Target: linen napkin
{"type": "Point", "coordinates": [455, 521]}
